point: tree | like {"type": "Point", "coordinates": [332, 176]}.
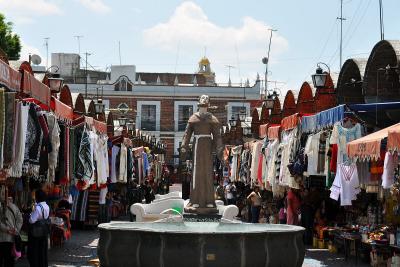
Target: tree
{"type": "Point", "coordinates": [9, 41]}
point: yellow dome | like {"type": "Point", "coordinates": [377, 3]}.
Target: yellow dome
{"type": "Point", "coordinates": [204, 61]}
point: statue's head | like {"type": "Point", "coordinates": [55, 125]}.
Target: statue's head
{"type": "Point", "coordinates": [204, 101]}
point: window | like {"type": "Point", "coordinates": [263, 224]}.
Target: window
{"type": "Point", "coordinates": [123, 85]}
{"type": "Point", "coordinates": [184, 113]}
{"type": "Point", "coordinates": [237, 110]}
{"type": "Point", "coordinates": [148, 118]}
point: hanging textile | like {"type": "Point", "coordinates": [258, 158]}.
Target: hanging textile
{"type": "Point", "coordinates": [393, 142]}
{"type": "Point", "coordinates": [236, 151]}
{"type": "Point", "coordinates": [114, 154]}
{"type": "Point", "coordinates": [19, 150]}
{"type": "Point", "coordinates": [390, 164]}
{"type": "Point", "coordinates": [101, 157]}
{"type": "Point", "coordinates": [256, 153]}
{"type": "Point", "coordinates": [84, 168]}
{"type": "Point", "coordinates": [346, 184]}
{"type": "Point", "coordinates": [9, 127]}
{"type": "Point", "coordinates": [322, 119]}
{"type": "Point", "coordinates": [341, 136]}
{"type": "Point", "coordinates": [273, 132]}
{"type": "Point", "coordinates": [33, 143]}
{"type": "Point", "coordinates": [122, 175]}
{"type": "Point", "coordinates": [79, 206]}
{"type": "Point", "coordinates": [54, 136]}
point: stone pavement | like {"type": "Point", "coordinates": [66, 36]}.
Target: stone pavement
{"type": "Point", "coordinates": [82, 247]}
{"type": "Point", "coordinates": [77, 251]}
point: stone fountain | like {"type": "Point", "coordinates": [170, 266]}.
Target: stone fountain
{"type": "Point", "coordinates": [194, 238]}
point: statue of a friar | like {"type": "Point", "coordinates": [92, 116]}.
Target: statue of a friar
{"type": "Point", "coordinates": [206, 131]}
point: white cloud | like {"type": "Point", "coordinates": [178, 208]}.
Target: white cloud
{"type": "Point", "coordinates": [28, 49]}
{"type": "Point", "coordinates": [30, 7]}
{"type": "Point", "coordinates": [23, 11]}
{"type": "Point", "coordinates": [191, 30]}
{"type": "Point", "coordinates": [97, 6]}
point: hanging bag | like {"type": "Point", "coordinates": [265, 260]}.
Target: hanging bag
{"type": "Point", "coordinates": [41, 228]}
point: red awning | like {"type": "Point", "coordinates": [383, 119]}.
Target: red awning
{"type": "Point", "coordinates": [35, 89]}
{"type": "Point", "coordinates": [393, 142]}
{"type": "Point", "coordinates": [263, 130]}
{"type": "Point", "coordinates": [9, 77]}
{"type": "Point", "coordinates": [61, 110]}
{"type": "Point", "coordinates": [273, 132]}
{"type": "Point", "coordinates": [369, 146]}
{"type": "Point", "coordinates": [290, 122]}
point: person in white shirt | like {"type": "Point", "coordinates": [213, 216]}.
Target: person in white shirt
{"type": "Point", "coordinates": [37, 246]}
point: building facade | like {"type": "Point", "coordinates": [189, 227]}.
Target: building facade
{"type": "Point", "coordinates": [161, 103]}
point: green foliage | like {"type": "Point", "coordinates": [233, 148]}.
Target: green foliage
{"type": "Point", "coordinates": [9, 41]}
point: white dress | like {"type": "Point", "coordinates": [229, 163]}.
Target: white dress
{"type": "Point", "coordinates": [389, 165]}
{"type": "Point", "coordinates": [346, 184]}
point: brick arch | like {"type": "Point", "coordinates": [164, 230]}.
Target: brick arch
{"type": "Point", "coordinates": [90, 108]}
{"type": "Point", "coordinates": [255, 122]}
{"type": "Point", "coordinates": [384, 53]}
{"type": "Point", "coordinates": [349, 86]}
{"type": "Point", "coordinates": [264, 116]}
{"type": "Point", "coordinates": [289, 104]}
{"type": "Point", "coordinates": [305, 100]}
{"type": "Point", "coordinates": [276, 112]}
{"type": "Point", "coordinates": [325, 98]}
{"type": "Point", "coordinates": [78, 103]}
{"type": "Point", "coordinates": [383, 86]}
{"type": "Point", "coordinates": [65, 96]}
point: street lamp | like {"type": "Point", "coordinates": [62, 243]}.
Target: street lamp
{"type": "Point", "coordinates": [54, 80]}
{"type": "Point", "coordinates": [232, 121]}
{"type": "Point", "coordinates": [99, 105]}
{"type": "Point", "coordinates": [270, 99]}
{"type": "Point", "coordinates": [320, 76]}
{"type": "Point", "coordinates": [122, 120]}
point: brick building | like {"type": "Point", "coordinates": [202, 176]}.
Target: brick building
{"type": "Point", "coordinates": [161, 103]}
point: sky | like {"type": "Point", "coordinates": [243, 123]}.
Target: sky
{"type": "Point", "coordinates": [172, 35]}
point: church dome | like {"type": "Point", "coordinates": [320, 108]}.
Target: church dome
{"type": "Point", "coordinates": [204, 61]}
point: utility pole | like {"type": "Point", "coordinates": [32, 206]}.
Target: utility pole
{"type": "Point", "coordinates": [381, 20]}
{"type": "Point", "coordinates": [266, 61]}
{"type": "Point", "coordinates": [46, 44]}
{"type": "Point", "coordinates": [341, 31]}
{"type": "Point", "coordinates": [229, 74]}
{"type": "Point", "coordinates": [86, 73]}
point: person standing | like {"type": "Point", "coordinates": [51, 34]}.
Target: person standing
{"type": "Point", "coordinates": [220, 192]}
{"type": "Point", "coordinates": [230, 192]}
{"type": "Point", "coordinates": [10, 225]}
{"type": "Point", "coordinates": [293, 207]}
{"type": "Point", "coordinates": [37, 246]}
{"type": "Point", "coordinates": [255, 198]}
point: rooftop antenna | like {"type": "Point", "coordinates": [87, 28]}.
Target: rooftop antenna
{"type": "Point", "coordinates": [78, 38]}
{"type": "Point", "coordinates": [229, 73]}
{"type": "Point", "coordinates": [46, 44]}
{"type": "Point", "coordinates": [205, 51]}
{"type": "Point", "coordinates": [119, 51]}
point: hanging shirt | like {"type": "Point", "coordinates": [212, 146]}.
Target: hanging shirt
{"type": "Point", "coordinates": [390, 164]}
{"type": "Point", "coordinates": [235, 162]}
{"type": "Point", "coordinates": [341, 136]}
{"type": "Point", "coordinates": [114, 153]}
{"type": "Point", "coordinates": [122, 175]}
{"type": "Point", "coordinates": [256, 154]}
{"type": "Point", "coordinates": [101, 157]}
{"type": "Point", "coordinates": [346, 184]}
{"type": "Point", "coordinates": [312, 150]}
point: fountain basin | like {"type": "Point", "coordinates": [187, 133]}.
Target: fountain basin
{"type": "Point", "coordinates": [200, 244]}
